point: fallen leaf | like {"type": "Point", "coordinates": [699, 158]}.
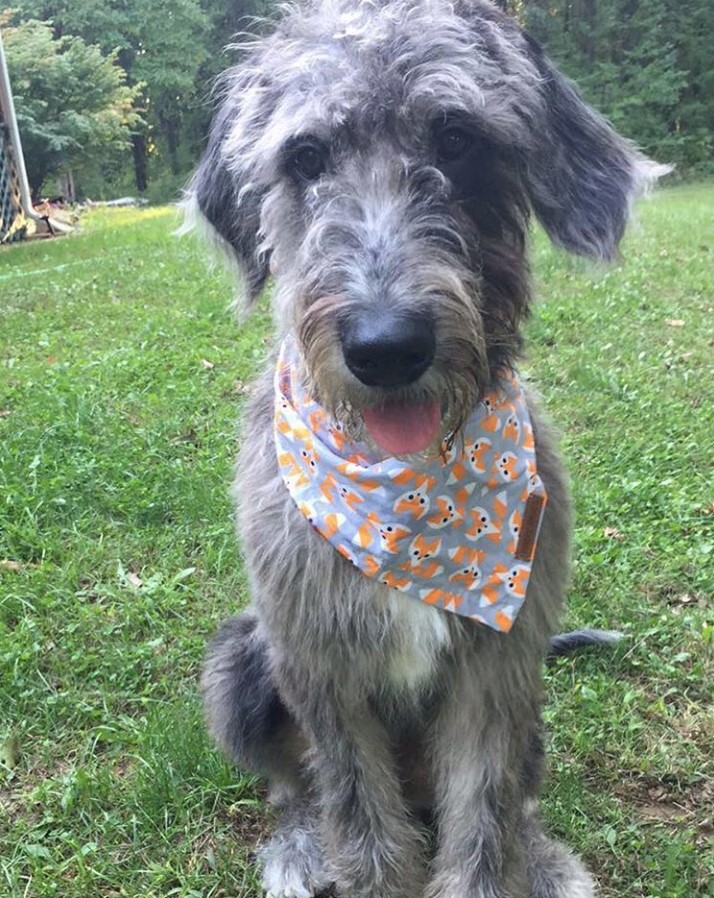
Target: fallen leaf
{"type": "Point", "coordinates": [613, 533]}
{"type": "Point", "coordinates": [663, 811]}
{"type": "Point", "coordinates": [4, 412]}
{"type": "Point", "coordinates": [240, 388]}
{"type": "Point", "coordinates": [209, 366]}
{"type": "Point", "coordinates": [675, 322]}
{"type": "Point", "coordinates": [189, 436]}
{"type": "Point", "coordinates": [134, 580]}
{"type": "Point", "coordinates": [686, 599]}
{"type": "Point", "coordinates": [7, 565]}
{"type": "Point", "coordinates": [52, 359]}
{"type": "Point", "coordinates": [10, 752]}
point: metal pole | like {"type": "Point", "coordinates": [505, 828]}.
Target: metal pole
{"type": "Point", "coordinates": [8, 110]}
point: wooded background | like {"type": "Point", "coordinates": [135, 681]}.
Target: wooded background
{"type": "Point", "coordinates": [118, 92]}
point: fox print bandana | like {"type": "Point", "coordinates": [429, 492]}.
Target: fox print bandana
{"type": "Point", "coordinates": [457, 530]}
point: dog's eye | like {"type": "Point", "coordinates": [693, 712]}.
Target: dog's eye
{"type": "Point", "coordinates": [452, 143]}
{"type": "Point", "coordinates": [308, 162]}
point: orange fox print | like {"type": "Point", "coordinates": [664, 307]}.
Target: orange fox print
{"type": "Point", "coordinates": [329, 524]}
{"type": "Point", "coordinates": [390, 535]}
{"type": "Point", "coordinates": [439, 597]}
{"type": "Point", "coordinates": [432, 596]}
{"type": "Point", "coordinates": [309, 458]}
{"type": "Point", "coordinates": [532, 486]}
{"type": "Point", "coordinates": [491, 423]}
{"type": "Point", "coordinates": [308, 510]}
{"type": "Point", "coordinates": [370, 565]}
{"type": "Point", "coordinates": [394, 581]}
{"type": "Point", "coordinates": [515, 522]}
{"type": "Point", "coordinates": [506, 466]}
{"type": "Point", "coordinates": [421, 550]}
{"type": "Point", "coordinates": [327, 486]}
{"type": "Point", "coordinates": [503, 620]}
{"type": "Point", "coordinates": [291, 470]}
{"type": "Point", "coordinates": [354, 471]}
{"type": "Point", "coordinates": [476, 453]}
{"type": "Point", "coordinates": [349, 497]}
{"type": "Point", "coordinates": [469, 574]}
{"type": "Point", "coordinates": [512, 428]}
{"type": "Point", "coordinates": [446, 513]}
{"type": "Point", "coordinates": [483, 526]}
{"type": "Point", "coordinates": [414, 502]}
{"type": "Point", "coordinates": [515, 581]}
{"type": "Point", "coordinates": [527, 441]}
{"type": "Point", "coordinates": [500, 505]}
{"type": "Point", "coordinates": [453, 460]}
{"type": "Point", "coordinates": [447, 531]}
{"type": "Point", "coordinates": [319, 420]}
{"type": "Point", "coordinates": [338, 438]}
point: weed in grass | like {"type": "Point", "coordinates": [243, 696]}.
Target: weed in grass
{"type": "Point", "coordinates": [121, 375]}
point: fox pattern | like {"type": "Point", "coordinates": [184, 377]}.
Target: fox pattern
{"type": "Point", "coordinates": [447, 528]}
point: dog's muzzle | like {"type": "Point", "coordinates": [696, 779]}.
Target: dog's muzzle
{"type": "Point", "coordinates": [383, 349]}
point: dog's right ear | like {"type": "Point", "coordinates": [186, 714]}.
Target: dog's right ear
{"type": "Point", "coordinates": [231, 207]}
{"type": "Point", "coordinates": [582, 177]}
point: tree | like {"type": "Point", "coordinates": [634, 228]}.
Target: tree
{"type": "Point", "coordinates": [71, 100]}
{"type": "Point", "coordinates": [160, 44]}
{"type": "Point", "coordinates": [628, 58]}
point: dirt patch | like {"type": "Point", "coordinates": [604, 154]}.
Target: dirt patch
{"type": "Point", "coordinates": [672, 804]}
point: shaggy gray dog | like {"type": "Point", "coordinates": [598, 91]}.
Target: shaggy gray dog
{"type": "Point", "coordinates": [382, 158]}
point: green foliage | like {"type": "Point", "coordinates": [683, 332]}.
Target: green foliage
{"type": "Point", "coordinates": [160, 46]}
{"type": "Point", "coordinates": [121, 374]}
{"type": "Point", "coordinates": [646, 64]}
{"type": "Point", "coordinates": [72, 101]}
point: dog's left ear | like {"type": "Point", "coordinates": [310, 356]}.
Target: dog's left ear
{"type": "Point", "coordinates": [230, 207]}
{"type": "Point", "coordinates": [582, 177]}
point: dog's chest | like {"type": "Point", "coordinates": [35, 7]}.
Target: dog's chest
{"type": "Point", "coordinates": [419, 635]}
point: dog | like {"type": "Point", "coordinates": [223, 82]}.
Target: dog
{"type": "Point", "coordinates": [402, 509]}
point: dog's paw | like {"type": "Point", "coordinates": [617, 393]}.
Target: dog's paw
{"type": "Point", "coordinates": [283, 879]}
{"type": "Point", "coordinates": [290, 871]}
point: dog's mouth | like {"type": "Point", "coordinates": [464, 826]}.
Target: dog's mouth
{"type": "Point", "coordinates": [403, 428]}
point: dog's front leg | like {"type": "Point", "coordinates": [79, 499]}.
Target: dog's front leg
{"type": "Point", "coordinates": [479, 741]}
{"type": "Point", "coordinates": [373, 848]}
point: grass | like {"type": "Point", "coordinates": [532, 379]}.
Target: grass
{"type": "Point", "coordinates": [121, 373]}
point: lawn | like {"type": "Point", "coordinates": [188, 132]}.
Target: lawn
{"type": "Point", "coordinates": [121, 375]}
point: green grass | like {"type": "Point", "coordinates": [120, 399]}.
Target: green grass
{"type": "Point", "coordinates": [121, 375]}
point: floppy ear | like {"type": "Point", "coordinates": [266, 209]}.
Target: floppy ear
{"type": "Point", "coordinates": [582, 177]}
{"type": "Point", "coordinates": [231, 207]}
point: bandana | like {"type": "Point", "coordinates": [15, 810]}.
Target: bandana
{"type": "Point", "coordinates": [457, 530]}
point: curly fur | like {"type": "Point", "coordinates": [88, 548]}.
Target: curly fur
{"type": "Point", "coordinates": [374, 716]}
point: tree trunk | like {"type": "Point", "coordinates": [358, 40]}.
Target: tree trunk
{"type": "Point", "coordinates": [171, 129]}
{"type": "Point", "coordinates": [138, 146]}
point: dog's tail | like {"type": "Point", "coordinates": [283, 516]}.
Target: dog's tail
{"type": "Point", "coordinates": [244, 713]}
{"type": "Point", "coordinates": [565, 643]}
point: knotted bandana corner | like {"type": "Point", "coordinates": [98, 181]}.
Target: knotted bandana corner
{"type": "Point", "coordinates": [457, 531]}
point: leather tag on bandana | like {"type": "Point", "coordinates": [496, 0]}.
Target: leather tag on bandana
{"type": "Point", "coordinates": [532, 516]}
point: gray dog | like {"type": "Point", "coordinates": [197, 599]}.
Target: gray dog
{"type": "Point", "coordinates": [381, 158]}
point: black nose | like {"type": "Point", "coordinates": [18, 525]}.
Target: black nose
{"type": "Point", "coordinates": [387, 350]}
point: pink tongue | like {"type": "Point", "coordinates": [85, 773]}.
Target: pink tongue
{"type": "Point", "coordinates": [403, 428]}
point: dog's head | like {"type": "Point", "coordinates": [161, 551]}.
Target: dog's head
{"type": "Point", "coordinates": [382, 159]}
